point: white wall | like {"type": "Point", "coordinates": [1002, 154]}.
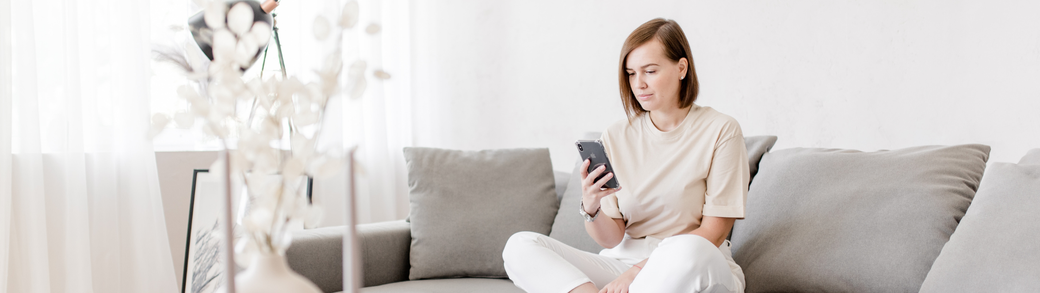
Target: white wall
{"type": "Point", "coordinates": [175, 178]}
{"type": "Point", "coordinates": [864, 75]}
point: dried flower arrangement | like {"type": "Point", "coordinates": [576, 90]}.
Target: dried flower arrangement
{"type": "Point", "coordinates": [256, 118]}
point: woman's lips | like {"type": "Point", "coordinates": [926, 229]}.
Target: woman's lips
{"type": "Point", "coordinates": [644, 97]}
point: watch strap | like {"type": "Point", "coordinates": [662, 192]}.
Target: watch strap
{"type": "Point", "coordinates": [588, 218]}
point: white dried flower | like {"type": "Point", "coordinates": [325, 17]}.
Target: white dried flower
{"type": "Point", "coordinates": [261, 185]}
{"type": "Point", "coordinates": [288, 88]}
{"type": "Point", "coordinates": [200, 109]}
{"type": "Point", "coordinates": [350, 15]}
{"type": "Point", "coordinates": [240, 18]}
{"type": "Point", "coordinates": [302, 147]}
{"type": "Point", "coordinates": [357, 69]}
{"type": "Point", "coordinates": [380, 74]}
{"type": "Point", "coordinates": [184, 119]}
{"type": "Point", "coordinates": [188, 93]}
{"type": "Point", "coordinates": [216, 13]}
{"type": "Point", "coordinates": [373, 28]}
{"type": "Point", "coordinates": [256, 88]}
{"type": "Point", "coordinates": [259, 219]}
{"type": "Point", "coordinates": [261, 32]}
{"type": "Point", "coordinates": [321, 28]}
{"type": "Point", "coordinates": [246, 250]}
{"type": "Point", "coordinates": [266, 162]}
{"type": "Point", "coordinates": [224, 45]}
{"type": "Point", "coordinates": [293, 169]}
{"type": "Point", "coordinates": [329, 75]}
{"type": "Point", "coordinates": [305, 118]}
{"type": "Point", "coordinates": [356, 79]}
{"type": "Point", "coordinates": [246, 50]}
{"type": "Point", "coordinates": [285, 240]}
{"type": "Point", "coordinates": [357, 87]}
{"type": "Point", "coordinates": [159, 122]}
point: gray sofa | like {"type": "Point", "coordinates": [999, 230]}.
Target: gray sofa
{"type": "Point", "coordinates": [318, 255]}
{"type": "Point", "coordinates": [924, 219]}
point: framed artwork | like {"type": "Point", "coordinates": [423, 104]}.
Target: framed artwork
{"type": "Point", "coordinates": [203, 269]}
{"type": "Point", "coordinates": [203, 264]}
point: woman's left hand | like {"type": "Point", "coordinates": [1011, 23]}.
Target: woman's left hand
{"type": "Point", "coordinates": [620, 285]}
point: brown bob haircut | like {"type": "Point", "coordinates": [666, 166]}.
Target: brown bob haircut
{"type": "Point", "coordinates": [676, 47]}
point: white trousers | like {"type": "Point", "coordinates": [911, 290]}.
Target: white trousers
{"type": "Point", "coordinates": [681, 263]}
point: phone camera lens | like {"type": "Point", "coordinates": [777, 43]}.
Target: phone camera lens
{"type": "Point", "coordinates": [580, 148]}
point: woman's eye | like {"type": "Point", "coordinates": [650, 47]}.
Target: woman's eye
{"type": "Point", "coordinates": [650, 71]}
{"type": "Point", "coordinates": [631, 73]}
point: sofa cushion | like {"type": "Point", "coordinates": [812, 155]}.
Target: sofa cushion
{"type": "Point", "coordinates": [561, 179]}
{"type": "Point", "coordinates": [466, 285]}
{"type": "Point", "coordinates": [1031, 158]}
{"type": "Point", "coordinates": [466, 204]}
{"type": "Point", "coordinates": [849, 221]}
{"type": "Point", "coordinates": [756, 147]}
{"type": "Point", "coordinates": [995, 246]}
{"type": "Point", "coordinates": [569, 226]}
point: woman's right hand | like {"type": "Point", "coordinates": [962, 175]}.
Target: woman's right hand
{"type": "Point", "coordinates": [591, 189]}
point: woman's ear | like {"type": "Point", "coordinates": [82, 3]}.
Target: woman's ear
{"type": "Point", "coordinates": [683, 65]}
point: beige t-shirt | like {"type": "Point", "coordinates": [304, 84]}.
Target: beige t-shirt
{"type": "Point", "coordinates": [670, 179]}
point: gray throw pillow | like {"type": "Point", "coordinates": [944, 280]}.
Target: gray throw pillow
{"type": "Point", "coordinates": [1031, 158]}
{"type": "Point", "coordinates": [466, 204]}
{"type": "Point", "coordinates": [826, 220]}
{"type": "Point", "coordinates": [756, 147]}
{"type": "Point", "coordinates": [995, 246]}
{"type": "Point", "coordinates": [569, 226]}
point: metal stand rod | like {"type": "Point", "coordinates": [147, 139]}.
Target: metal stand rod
{"type": "Point", "coordinates": [278, 43]}
{"type": "Point", "coordinates": [263, 63]}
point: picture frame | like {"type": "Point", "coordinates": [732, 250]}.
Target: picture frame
{"type": "Point", "coordinates": [203, 268]}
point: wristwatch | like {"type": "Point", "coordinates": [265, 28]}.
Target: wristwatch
{"type": "Point", "coordinates": [588, 218]}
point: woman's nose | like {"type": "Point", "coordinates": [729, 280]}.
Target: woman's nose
{"type": "Point", "coordinates": [641, 81]}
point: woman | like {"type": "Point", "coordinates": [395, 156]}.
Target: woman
{"type": "Point", "coordinates": [684, 175]}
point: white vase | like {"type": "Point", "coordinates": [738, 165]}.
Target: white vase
{"type": "Point", "coordinates": [270, 272]}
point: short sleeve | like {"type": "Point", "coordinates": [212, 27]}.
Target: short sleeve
{"type": "Point", "coordinates": [727, 181]}
{"type": "Point", "coordinates": [609, 207]}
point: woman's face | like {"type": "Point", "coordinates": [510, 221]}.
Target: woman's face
{"type": "Point", "coordinates": [654, 79]}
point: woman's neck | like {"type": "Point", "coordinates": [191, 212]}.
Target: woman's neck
{"type": "Point", "coordinates": [669, 119]}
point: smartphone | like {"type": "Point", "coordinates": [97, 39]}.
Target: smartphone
{"type": "Point", "coordinates": [593, 150]}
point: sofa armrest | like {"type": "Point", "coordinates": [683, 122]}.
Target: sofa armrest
{"type": "Point", "coordinates": [317, 254]}
{"type": "Point", "coordinates": [384, 251]}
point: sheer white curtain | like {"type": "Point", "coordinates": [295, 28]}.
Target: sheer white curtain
{"type": "Point", "coordinates": [381, 122]}
{"type": "Point", "coordinates": [80, 209]}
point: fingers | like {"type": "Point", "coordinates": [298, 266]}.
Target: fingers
{"type": "Point", "coordinates": [589, 180]}
{"type": "Point", "coordinates": [596, 190]}
{"type": "Point", "coordinates": [585, 168]}
{"type": "Point", "coordinates": [599, 184]}
{"type": "Point", "coordinates": [604, 290]}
